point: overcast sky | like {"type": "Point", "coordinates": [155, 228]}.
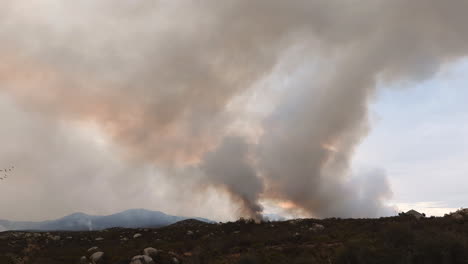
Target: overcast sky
{"type": "Point", "coordinates": [222, 109]}
{"type": "Point", "coordinates": [419, 136]}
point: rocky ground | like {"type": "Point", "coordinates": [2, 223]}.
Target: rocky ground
{"type": "Point", "coordinates": [402, 239]}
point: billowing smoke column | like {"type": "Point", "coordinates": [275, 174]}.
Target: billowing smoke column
{"type": "Point", "coordinates": [159, 78]}
{"type": "Point", "coordinates": [229, 167]}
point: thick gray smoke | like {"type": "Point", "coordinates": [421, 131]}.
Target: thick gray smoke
{"type": "Point", "coordinates": [229, 167]}
{"type": "Point", "coordinates": [159, 78]}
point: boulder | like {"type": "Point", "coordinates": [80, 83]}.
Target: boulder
{"type": "Point", "coordinates": [97, 257]}
{"type": "Point", "coordinates": [93, 250]}
{"type": "Point", "coordinates": [142, 259]}
{"type": "Point", "coordinates": [137, 235]}
{"type": "Point", "coordinates": [84, 260]}
{"type": "Point", "coordinates": [151, 252]}
{"type": "Point", "coordinates": [415, 214]}
{"type": "Point", "coordinates": [316, 227]}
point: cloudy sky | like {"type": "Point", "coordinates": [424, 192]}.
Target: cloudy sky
{"type": "Point", "coordinates": [237, 108]}
{"type": "Point", "coordinates": [419, 137]}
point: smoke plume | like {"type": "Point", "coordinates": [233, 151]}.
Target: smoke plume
{"type": "Point", "coordinates": [229, 167]}
{"type": "Point", "coordinates": [165, 81]}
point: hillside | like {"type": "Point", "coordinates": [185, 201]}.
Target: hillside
{"type": "Point", "coordinates": [132, 218]}
{"type": "Point", "coordinates": [402, 239]}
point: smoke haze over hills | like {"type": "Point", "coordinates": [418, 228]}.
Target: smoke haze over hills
{"type": "Point", "coordinates": [199, 103]}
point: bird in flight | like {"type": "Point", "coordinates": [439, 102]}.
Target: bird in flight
{"type": "Point", "coordinates": [6, 172]}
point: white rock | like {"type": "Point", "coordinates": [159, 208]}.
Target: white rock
{"type": "Point", "coordinates": [137, 235]}
{"type": "Point", "coordinates": [99, 239]}
{"type": "Point", "coordinates": [175, 260]}
{"type": "Point", "coordinates": [142, 259]}
{"type": "Point", "coordinates": [189, 232]}
{"type": "Point", "coordinates": [93, 249]}
{"type": "Point", "coordinates": [84, 260]}
{"type": "Point", "coordinates": [415, 214]}
{"type": "Point", "coordinates": [96, 257]}
{"type": "Point", "coordinates": [152, 252]}
{"type": "Point", "coordinates": [317, 227]}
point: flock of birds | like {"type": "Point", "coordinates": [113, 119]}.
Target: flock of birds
{"type": "Point", "coordinates": [5, 172]}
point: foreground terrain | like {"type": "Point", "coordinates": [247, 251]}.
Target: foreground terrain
{"type": "Point", "coordinates": [402, 239]}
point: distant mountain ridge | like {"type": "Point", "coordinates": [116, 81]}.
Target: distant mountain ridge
{"type": "Point", "coordinates": [133, 218]}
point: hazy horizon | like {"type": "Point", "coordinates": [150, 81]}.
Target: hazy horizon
{"type": "Point", "coordinates": [233, 109]}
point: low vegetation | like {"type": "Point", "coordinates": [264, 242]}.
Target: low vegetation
{"type": "Point", "coordinates": [401, 239]}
